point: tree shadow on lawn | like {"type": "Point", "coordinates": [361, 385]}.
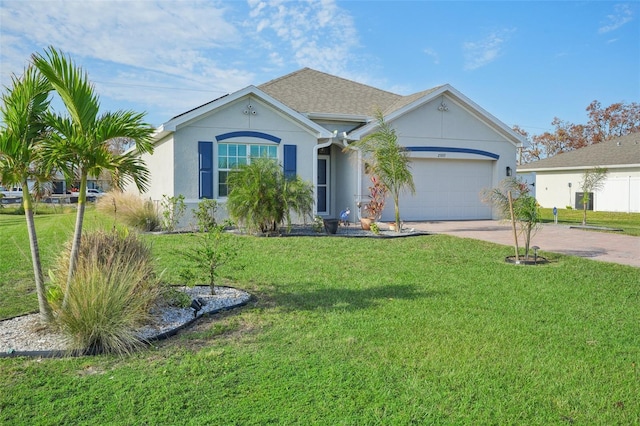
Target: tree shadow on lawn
{"type": "Point", "coordinates": [341, 299]}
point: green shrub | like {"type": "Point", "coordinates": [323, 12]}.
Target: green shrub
{"type": "Point", "coordinates": [318, 224]}
{"type": "Point", "coordinates": [131, 209]}
{"type": "Point", "coordinates": [173, 208]}
{"type": "Point", "coordinates": [205, 215]}
{"type": "Point", "coordinates": [375, 228]}
{"type": "Point", "coordinates": [261, 198]}
{"type": "Point", "coordinates": [110, 295]}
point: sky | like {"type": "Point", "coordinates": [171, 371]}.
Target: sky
{"type": "Point", "coordinates": [525, 62]}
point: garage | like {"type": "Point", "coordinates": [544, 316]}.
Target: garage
{"type": "Point", "coordinates": [445, 190]}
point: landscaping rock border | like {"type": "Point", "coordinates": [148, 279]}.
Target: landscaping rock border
{"type": "Point", "coordinates": [24, 336]}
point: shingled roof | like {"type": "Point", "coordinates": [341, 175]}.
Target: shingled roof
{"type": "Point", "coordinates": [309, 91]}
{"type": "Point", "coordinates": [620, 151]}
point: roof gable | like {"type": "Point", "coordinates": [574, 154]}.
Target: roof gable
{"type": "Point", "coordinates": [411, 102]}
{"type": "Point", "coordinates": [208, 108]}
{"type": "Point", "coordinates": [624, 150]}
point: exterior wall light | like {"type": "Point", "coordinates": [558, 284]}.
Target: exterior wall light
{"type": "Point", "coordinates": [509, 172]}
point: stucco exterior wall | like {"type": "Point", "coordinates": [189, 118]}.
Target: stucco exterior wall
{"type": "Point", "coordinates": [180, 165]}
{"type": "Point", "coordinates": [232, 119]}
{"type": "Point", "coordinates": [161, 169]}
{"type": "Point", "coordinates": [346, 182]}
{"type": "Point", "coordinates": [462, 136]}
{"type": "Point", "coordinates": [621, 191]}
{"type": "Point", "coordinates": [455, 128]}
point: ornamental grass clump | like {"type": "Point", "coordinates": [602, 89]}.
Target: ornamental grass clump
{"type": "Point", "coordinates": [110, 295]}
{"type": "Point", "coordinates": [131, 209]}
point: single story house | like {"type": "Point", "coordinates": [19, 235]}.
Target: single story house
{"type": "Point", "coordinates": [558, 179]}
{"type": "Point", "coordinates": [305, 120]}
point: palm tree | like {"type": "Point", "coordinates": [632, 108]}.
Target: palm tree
{"type": "Point", "coordinates": [388, 160]}
{"type": "Point", "coordinates": [80, 140]}
{"type": "Point", "coordinates": [523, 205]}
{"type": "Point", "coordinates": [261, 197]}
{"type": "Point", "coordinates": [23, 111]}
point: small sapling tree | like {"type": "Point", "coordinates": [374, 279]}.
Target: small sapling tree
{"type": "Point", "coordinates": [592, 180]}
{"type": "Point", "coordinates": [214, 249]}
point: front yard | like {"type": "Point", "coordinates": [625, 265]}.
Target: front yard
{"type": "Point", "coordinates": [423, 330]}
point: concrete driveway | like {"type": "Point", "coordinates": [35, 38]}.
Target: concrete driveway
{"type": "Point", "coordinates": [606, 247]}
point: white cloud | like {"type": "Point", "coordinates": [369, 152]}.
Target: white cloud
{"type": "Point", "coordinates": [166, 57]}
{"type": "Point", "coordinates": [622, 15]}
{"type": "Point", "coordinates": [482, 52]}
{"type": "Point", "coordinates": [433, 54]}
{"type": "Point", "coordinates": [316, 34]}
{"type": "Point", "coordinates": [129, 45]}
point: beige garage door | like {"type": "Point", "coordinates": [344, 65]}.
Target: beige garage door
{"type": "Point", "coordinates": [445, 190]}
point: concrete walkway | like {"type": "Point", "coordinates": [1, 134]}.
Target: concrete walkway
{"type": "Point", "coordinates": [606, 247]}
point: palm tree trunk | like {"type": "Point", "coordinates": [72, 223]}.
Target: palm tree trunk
{"type": "Point", "coordinates": [43, 304]}
{"type": "Point", "coordinates": [77, 234]}
{"type": "Point", "coordinates": [513, 227]}
{"type": "Point", "coordinates": [396, 202]}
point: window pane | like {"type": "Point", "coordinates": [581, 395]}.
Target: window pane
{"type": "Point", "coordinates": [242, 161]}
{"type": "Point", "coordinates": [322, 172]}
{"type": "Point", "coordinates": [222, 162]}
{"type": "Point", "coordinates": [263, 151]}
{"type": "Point", "coordinates": [242, 150]}
{"type": "Point", "coordinates": [255, 150]}
{"type": "Point", "coordinates": [222, 184]}
{"type": "Point", "coordinates": [232, 150]}
{"type": "Point", "coordinates": [273, 152]}
{"type": "Point", "coordinates": [322, 198]}
{"type": "Point", "coordinates": [222, 149]}
{"type": "Point", "coordinates": [233, 162]}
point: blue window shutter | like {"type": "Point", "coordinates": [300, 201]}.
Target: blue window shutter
{"type": "Point", "coordinates": [205, 160]}
{"type": "Point", "coordinates": [290, 155]}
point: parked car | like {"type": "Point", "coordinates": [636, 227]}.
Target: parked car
{"type": "Point", "coordinates": [91, 192]}
{"type": "Point", "coordinates": [15, 192]}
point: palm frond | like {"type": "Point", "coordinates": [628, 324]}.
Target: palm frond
{"type": "Point", "coordinates": [72, 85]}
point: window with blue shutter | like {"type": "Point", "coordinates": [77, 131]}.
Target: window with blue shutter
{"type": "Point", "coordinates": [205, 161]}
{"type": "Point", "coordinates": [289, 163]}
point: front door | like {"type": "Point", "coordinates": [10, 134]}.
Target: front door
{"type": "Point", "coordinates": [323, 184]}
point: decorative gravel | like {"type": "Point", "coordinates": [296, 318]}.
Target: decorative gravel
{"type": "Point", "coordinates": [27, 334]}
{"type": "Point", "coordinates": [349, 231]}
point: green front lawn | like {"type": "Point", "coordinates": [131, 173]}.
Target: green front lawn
{"type": "Point", "coordinates": [422, 330]}
{"type": "Point", "coordinates": [629, 223]}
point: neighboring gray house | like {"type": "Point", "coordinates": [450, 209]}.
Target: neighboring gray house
{"type": "Point", "coordinates": [558, 178]}
{"type": "Point", "coordinates": [306, 118]}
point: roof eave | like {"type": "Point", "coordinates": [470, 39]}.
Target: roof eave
{"type": "Point", "coordinates": [570, 168]}
{"type": "Point", "coordinates": [351, 118]}
{"type": "Point", "coordinates": [172, 125]}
